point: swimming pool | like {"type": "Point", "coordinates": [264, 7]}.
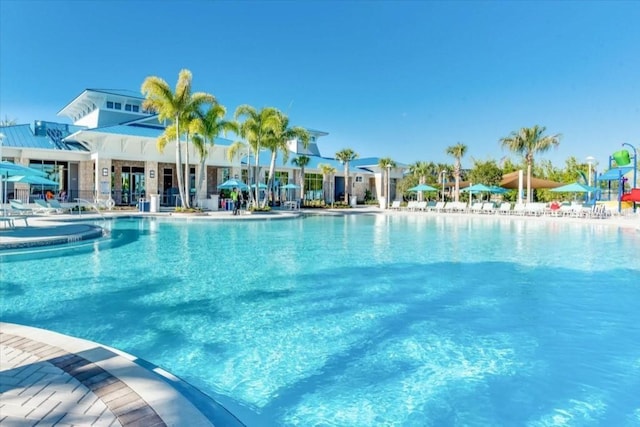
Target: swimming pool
{"type": "Point", "coordinates": [361, 320]}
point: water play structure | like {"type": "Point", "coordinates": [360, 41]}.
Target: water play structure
{"type": "Point", "coordinates": [621, 164]}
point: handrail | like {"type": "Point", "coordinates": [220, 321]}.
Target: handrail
{"type": "Point", "coordinates": [93, 205]}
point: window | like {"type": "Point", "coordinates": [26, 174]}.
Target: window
{"type": "Point", "coordinates": [117, 106]}
{"type": "Point", "coordinates": [135, 108]}
{"type": "Point", "coordinates": [127, 107]}
{"type": "Point", "coordinates": [358, 178]}
{"type": "Point", "coordinates": [109, 104]}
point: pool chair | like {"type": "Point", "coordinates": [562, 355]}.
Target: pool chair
{"type": "Point", "coordinates": [488, 208]}
{"type": "Point", "coordinates": [54, 204]}
{"type": "Point", "coordinates": [505, 208]}
{"type": "Point", "coordinates": [20, 211]}
{"type": "Point", "coordinates": [476, 207]}
{"type": "Point", "coordinates": [43, 207]}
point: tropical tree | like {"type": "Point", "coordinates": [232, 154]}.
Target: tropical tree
{"type": "Point", "coordinates": [302, 162]}
{"type": "Point", "coordinates": [178, 108]}
{"type": "Point", "coordinates": [205, 128]}
{"type": "Point", "coordinates": [527, 142]}
{"type": "Point", "coordinates": [421, 170]}
{"type": "Point", "coordinates": [277, 141]}
{"type": "Point", "coordinates": [256, 128]}
{"type": "Point", "coordinates": [346, 156]}
{"type": "Point", "coordinates": [385, 164]}
{"type": "Point", "coordinates": [457, 152]}
{"type": "Point", "coordinates": [485, 172]}
{"type": "Point", "coordinates": [327, 174]}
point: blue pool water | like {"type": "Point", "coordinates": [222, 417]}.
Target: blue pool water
{"type": "Point", "coordinates": [362, 320]}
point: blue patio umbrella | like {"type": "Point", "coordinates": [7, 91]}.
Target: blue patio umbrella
{"type": "Point", "coordinates": [8, 169]}
{"type": "Point", "coordinates": [32, 179]}
{"type": "Point", "coordinates": [231, 184]}
{"type": "Point", "coordinates": [422, 187]}
{"type": "Point", "coordinates": [261, 186]}
{"type": "Point", "coordinates": [575, 187]}
{"type": "Point", "coordinates": [289, 187]}
{"type": "Point", "coordinates": [498, 190]}
{"type": "Point", "coordinates": [12, 169]}
{"type": "Point", "coordinates": [477, 188]}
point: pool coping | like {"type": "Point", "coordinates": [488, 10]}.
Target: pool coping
{"type": "Point", "coordinates": [134, 391]}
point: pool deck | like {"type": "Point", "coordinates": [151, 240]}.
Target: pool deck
{"type": "Point", "coordinates": [49, 379]}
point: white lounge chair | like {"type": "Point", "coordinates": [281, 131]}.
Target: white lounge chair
{"type": "Point", "coordinates": [505, 208]}
{"type": "Point", "coordinates": [488, 208]}
{"type": "Point", "coordinates": [395, 205]}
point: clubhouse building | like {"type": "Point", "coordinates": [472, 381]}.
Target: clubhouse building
{"type": "Point", "coordinates": [110, 152]}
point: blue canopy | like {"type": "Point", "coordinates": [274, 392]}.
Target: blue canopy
{"type": "Point", "coordinates": [233, 183]}
{"type": "Point", "coordinates": [477, 188]}
{"type": "Point", "coordinates": [575, 187]}
{"type": "Point", "coordinates": [615, 173]}
{"type": "Point", "coordinates": [423, 187]}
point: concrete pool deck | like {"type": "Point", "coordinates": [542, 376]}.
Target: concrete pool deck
{"type": "Point", "coordinates": [47, 378]}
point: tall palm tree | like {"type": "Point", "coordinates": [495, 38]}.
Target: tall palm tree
{"type": "Point", "coordinates": [457, 151]}
{"type": "Point", "coordinates": [205, 128]}
{"type": "Point", "coordinates": [386, 163]}
{"type": "Point", "coordinates": [346, 156]}
{"type": "Point", "coordinates": [527, 142]}
{"type": "Point", "coordinates": [256, 128]}
{"type": "Point", "coordinates": [277, 141]}
{"type": "Point", "coordinates": [327, 174]}
{"type": "Point", "coordinates": [302, 162]}
{"type": "Point", "coordinates": [177, 108]}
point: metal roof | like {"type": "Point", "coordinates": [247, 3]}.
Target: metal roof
{"type": "Point", "coordinates": [135, 130]}
{"type": "Point", "coordinates": [22, 136]}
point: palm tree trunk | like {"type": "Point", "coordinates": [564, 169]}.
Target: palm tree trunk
{"type": "Point", "coordinates": [272, 169]}
{"type": "Point", "coordinates": [179, 163]}
{"type": "Point", "coordinates": [187, 175]}
{"type": "Point", "coordinates": [529, 182]}
{"type": "Point", "coordinates": [346, 183]}
{"type": "Point", "coordinates": [201, 174]}
{"type": "Point", "coordinates": [302, 186]}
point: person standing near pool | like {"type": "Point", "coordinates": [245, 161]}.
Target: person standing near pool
{"type": "Point", "coordinates": [235, 198]}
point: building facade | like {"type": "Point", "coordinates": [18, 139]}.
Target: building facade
{"type": "Point", "coordinates": [110, 154]}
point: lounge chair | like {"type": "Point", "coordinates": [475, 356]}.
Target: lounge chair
{"type": "Point", "coordinates": [20, 211]}
{"type": "Point", "coordinates": [505, 208]}
{"type": "Point", "coordinates": [488, 208]}
{"type": "Point", "coordinates": [476, 207]}
{"type": "Point", "coordinates": [43, 207]}
{"type": "Point", "coordinates": [395, 204]}
{"type": "Point", "coordinates": [54, 204]}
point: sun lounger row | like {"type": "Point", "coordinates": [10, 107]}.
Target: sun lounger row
{"type": "Point", "coordinates": [506, 208]}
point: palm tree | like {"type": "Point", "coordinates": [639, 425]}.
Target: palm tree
{"type": "Point", "coordinates": [327, 174]}
{"type": "Point", "coordinates": [256, 128]}
{"type": "Point", "coordinates": [529, 141]}
{"type": "Point", "coordinates": [386, 164]}
{"type": "Point", "coordinates": [301, 161]}
{"type": "Point", "coordinates": [176, 107]}
{"type": "Point", "coordinates": [277, 141]}
{"type": "Point", "coordinates": [346, 155]}
{"type": "Point", "coordinates": [205, 128]}
{"type": "Point", "coordinates": [420, 170]}
{"type": "Point", "coordinates": [457, 151]}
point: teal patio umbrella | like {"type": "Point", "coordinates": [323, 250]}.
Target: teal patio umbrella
{"type": "Point", "coordinates": [233, 183]}
{"type": "Point", "coordinates": [575, 187]}
{"type": "Point", "coordinates": [422, 187]}
{"type": "Point", "coordinates": [289, 187]}
{"type": "Point", "coordinates": [8, 169]}
{"type": "Point", "coordinates": [477, 188]}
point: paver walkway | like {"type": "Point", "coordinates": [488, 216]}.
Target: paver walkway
{"type": "Point", "coordinates": [50, 379]}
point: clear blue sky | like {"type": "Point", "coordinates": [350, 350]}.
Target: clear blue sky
{"type": "Point", "coordinates": [397, 79]}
